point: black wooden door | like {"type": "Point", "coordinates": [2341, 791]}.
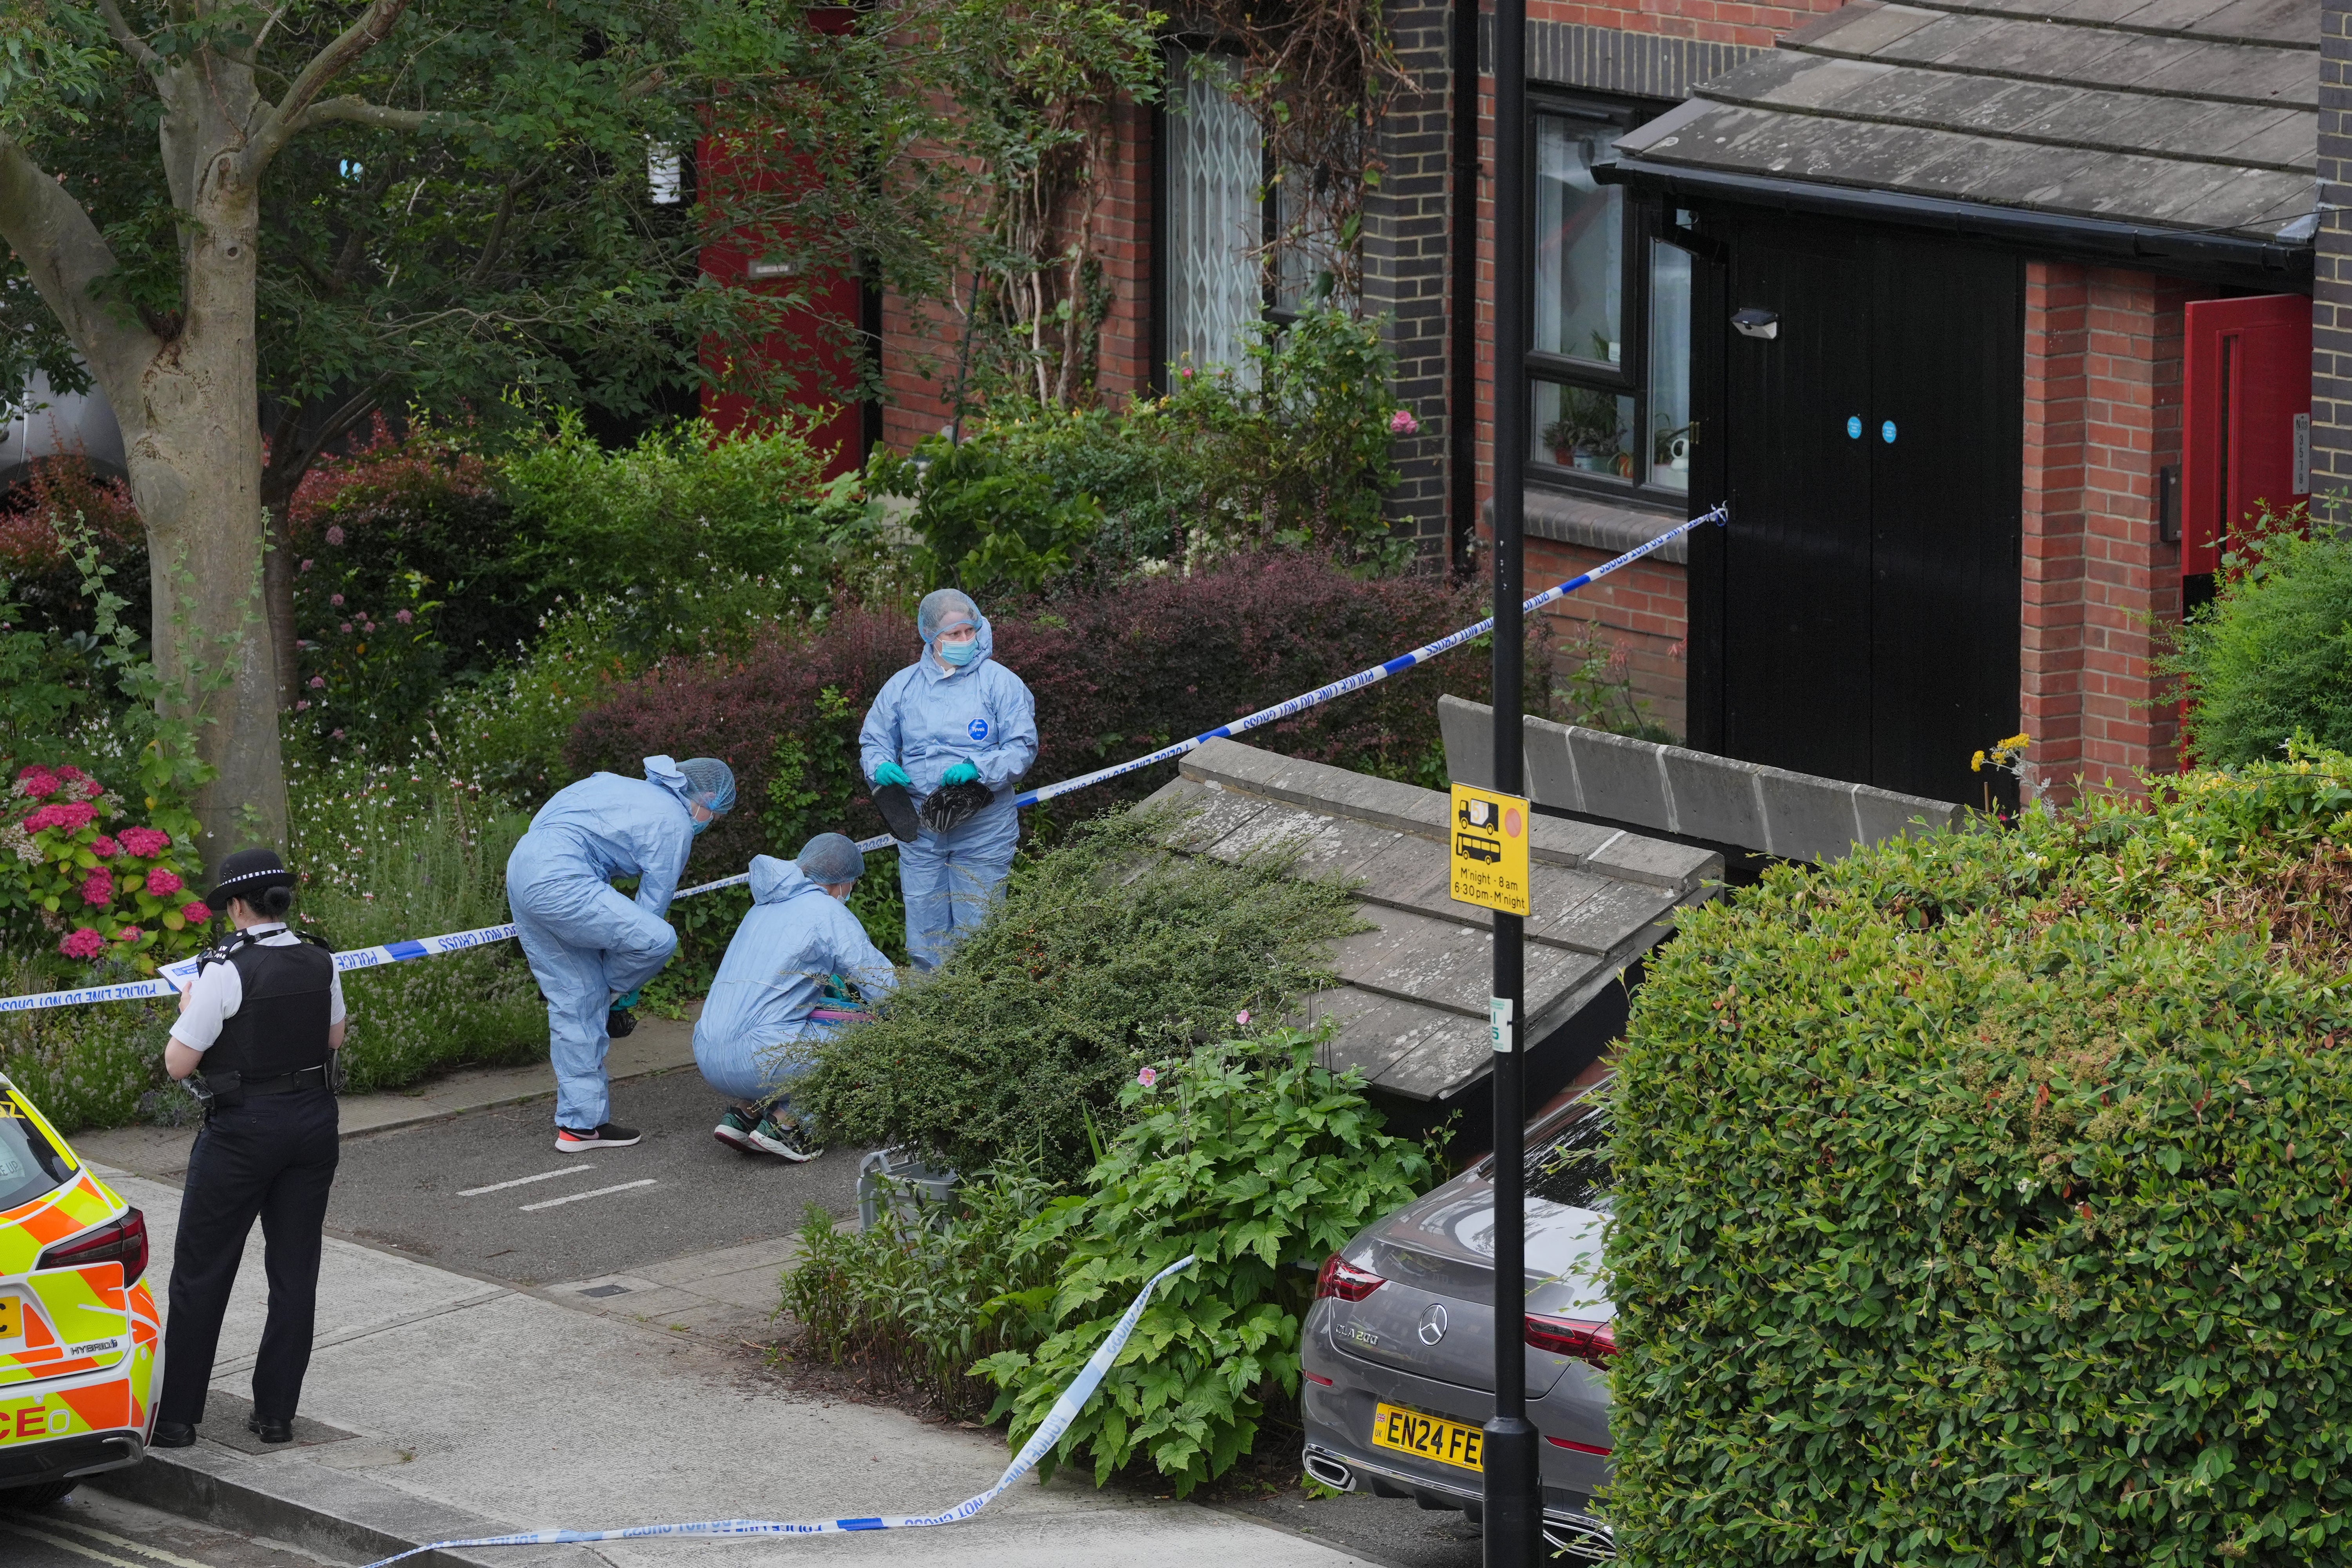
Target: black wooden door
{"type": "Point", "coordinates": [1863, 603]}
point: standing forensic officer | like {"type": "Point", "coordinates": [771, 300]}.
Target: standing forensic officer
{"type": "Point", "coordinates": [590, 946]}
{"type": "Point", "coordinates": [263, 1018]}
{"type": "Point", "coordinates": [954, 716]}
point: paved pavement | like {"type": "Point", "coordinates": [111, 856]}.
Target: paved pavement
{"type": "Point", "coordinates": [488, 1193]}
{"type": "Point", "coordinates": [90, 1526]}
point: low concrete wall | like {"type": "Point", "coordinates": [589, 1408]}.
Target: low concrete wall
{"type": "Point", "coordinates": [1795, 815]}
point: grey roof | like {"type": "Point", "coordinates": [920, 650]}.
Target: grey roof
{"type": "Point", "coordinates": [1412, 997]}
{"type": "Point", "coordinates": [2200, 115]}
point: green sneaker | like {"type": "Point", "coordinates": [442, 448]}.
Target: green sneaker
{"type": "Point", "coordinates": [787, 1142]}
{"type": "Point", "coordinates": [734, 1128]}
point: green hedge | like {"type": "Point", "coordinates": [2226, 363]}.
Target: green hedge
{"type": "Point", "coordinates": [1982, 1198]}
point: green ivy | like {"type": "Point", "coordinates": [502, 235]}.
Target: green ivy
{"type": "Point", "coordinates": [1981, 1197]}
{"type": "Point", "coordinates": [1259, 1163]}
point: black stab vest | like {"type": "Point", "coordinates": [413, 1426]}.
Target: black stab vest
{"type": "Point", "coordinates": [281, 1024]}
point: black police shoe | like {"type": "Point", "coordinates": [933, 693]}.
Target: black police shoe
{"type": "Point", "coordinates": [269, 1430]}
{"type": "Point", "coordinates": [172, 1434]}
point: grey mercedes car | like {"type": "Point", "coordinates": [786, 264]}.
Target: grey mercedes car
{"type": "Point", "coordinates": [1399, 1351]}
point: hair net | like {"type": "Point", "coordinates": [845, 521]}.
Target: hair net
{"type": "Point", "coordinates": [831, 859]}
{"type": "Point", "coordinates": [711, 781]}
{"type": "Point", "coordinates": [944, 609]}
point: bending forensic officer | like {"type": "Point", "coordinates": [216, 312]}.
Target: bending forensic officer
{"type": "Point", "coordinates": [768, 1005]}
{"type": "Point", "coordinates": [954, 717]}
{"type": "Point", "coordinates": [590, 947]}
{"type": "Point", "coordinates": [263, 1018]}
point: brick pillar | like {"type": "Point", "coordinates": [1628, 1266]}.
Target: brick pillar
{"type": "Point", "coordinates": [1404, 244]}
{"type": "Point", "coordinates": [2102, 350]}
{"type": "Point", "coordinates": [2331, 304]}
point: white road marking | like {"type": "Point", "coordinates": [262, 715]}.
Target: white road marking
{"type": "Point", "coordinates": [76, 1547]}
{"type": "Point", "coordinates": [575, 1197]}
{"type": "Point", "coordinates": [521, 1180]}
{"type": "Point", "coordinates": [157, 1552]}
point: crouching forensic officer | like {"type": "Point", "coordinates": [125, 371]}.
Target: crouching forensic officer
{"type": "Point", "coordinates": [263, 1019]}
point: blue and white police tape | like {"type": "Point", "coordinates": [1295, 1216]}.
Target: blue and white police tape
{"type": "Point", "coordinates": [1057, 1421]}
{"type": "Point", "coordinates": [393, 953]}
{"type": "Point", "coordinates": [1315, 697]}
{"type": "Point", "coordinates": [173, 976]}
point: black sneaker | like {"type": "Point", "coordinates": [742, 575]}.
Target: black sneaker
{"type": "Point", "coordinates": [786, 1142]}
{"type": "Point", "coordinates": [619, 1023]}
{"type": "Point", "coordinates": [612, 1135]}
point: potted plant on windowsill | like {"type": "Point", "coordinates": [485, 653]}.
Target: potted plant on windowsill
{"type": "Point", "coordinates": [1586, 435]}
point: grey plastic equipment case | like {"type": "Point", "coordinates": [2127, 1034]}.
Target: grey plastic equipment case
{"type": "Point", "coordinates": [896, 1178]}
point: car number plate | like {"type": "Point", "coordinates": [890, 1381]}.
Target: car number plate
{"type": "Point", "coordinates": [1429, 1437]}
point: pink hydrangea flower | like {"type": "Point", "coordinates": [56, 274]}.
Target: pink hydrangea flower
{"type": "Point", "coordinates": [302, 705]}
{"type": "Point", "coordinates": [90, 789]}
{"type": "Point", "coordinates": [129, 933]}
{"type": "Point", "coordinates": [70, 814]}
{"type": "Point", "coordinates": [336, 600]}
{"type": "Point", "coordinates": [105, 849]}
{"type": "Point", "coordinates": [308, 564]}
{"type": "Point", "coordinates": [70, 773]}
{"type": "Point", "coordinates": [368, 626]}
{"type": "Point", "coordinates": [97, 888]}
{"type": "Point", "coordinates": [1402, 423]}
{"type": "Point", "coordinates": [1147, 1076]}
{"type": "Point", "coordinates": [347, 625]}
{"type": "Point", "coordinates": [334, 534]}
{"type": "Point", "coordinates": [82, 943]}
{"type": "Point", "coordinates": [36, 783]}
{"type": "Point", "coordinates": [145, 842]}
{"type": "Point", "coordinates": [318, 682]}
{"type": "Point", "coordinates": [195, 914]}
{"type": "Point", "coordinates": [162, 883]}
{"type": "Point", "coordinates": [403, 616]}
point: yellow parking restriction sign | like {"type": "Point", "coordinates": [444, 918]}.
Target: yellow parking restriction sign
{"type": "Point", "coordinates": [1489, 851]}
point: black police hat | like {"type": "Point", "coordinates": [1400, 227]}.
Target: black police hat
{"type": "Point", "coordinates": [250, 871]}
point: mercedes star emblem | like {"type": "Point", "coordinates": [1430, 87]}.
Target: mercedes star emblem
{"type": "Point", "coordinates": [1433, 1324]}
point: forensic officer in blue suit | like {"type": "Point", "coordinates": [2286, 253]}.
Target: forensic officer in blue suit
{"type": "Point", "coordinates": [769, 1007]}
{"type": "Point", "coordinates": [590, 947]}
{"type": "Point", "coordinates": [954, 716]}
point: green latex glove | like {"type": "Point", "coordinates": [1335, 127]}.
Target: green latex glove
{"type": "Point", "coordinates": [962, 773]}
{"type": "Point", "coordinates": [628, 1001]}
{"type": "Point", "coordinates": [891, 773]}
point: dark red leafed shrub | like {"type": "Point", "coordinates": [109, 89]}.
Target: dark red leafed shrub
{"type": "Point", "coordinates": [32, 557]}
{"type": "Point", "coordinates": [1116, 674]}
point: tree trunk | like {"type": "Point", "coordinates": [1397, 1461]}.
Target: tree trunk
{"type": "Point", "coordinates": [276, 493]}
{"type": "Point", "coordinates": [191, 444]}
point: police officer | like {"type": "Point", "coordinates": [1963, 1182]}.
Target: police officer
{"type": "Point", "coordinates": [263, 1019]}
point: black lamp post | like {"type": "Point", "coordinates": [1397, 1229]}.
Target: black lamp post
{"type": "Point", "coordinates": [1513, 1486]}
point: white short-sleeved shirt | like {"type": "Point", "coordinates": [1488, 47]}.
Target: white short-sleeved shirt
{"type": "Point", "coordinates": [215, 995]}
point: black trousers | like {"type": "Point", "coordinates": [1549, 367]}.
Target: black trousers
{"type": "Point", "coordinates": [273, 1157]}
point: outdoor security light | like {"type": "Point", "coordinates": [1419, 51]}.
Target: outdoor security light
{"type": "Point", "coordinates": [1755, 322]}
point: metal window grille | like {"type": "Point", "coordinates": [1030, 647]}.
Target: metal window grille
{"type": "Point", "coordinates": [1215, 176]}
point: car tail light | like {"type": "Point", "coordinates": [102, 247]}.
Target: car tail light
{"type": "Point", "coordinates": [1592, 1343]}
{"type": "Point", "coordinates": [123, 1241]}
{"type": "Point", "coordinates": [1317, 1379]}
{"type": "Point", "coordinates": [1344, 1281]}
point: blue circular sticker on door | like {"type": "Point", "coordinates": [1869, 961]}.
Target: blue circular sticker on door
{"type": "Point", "coordinates": [978, 728]}
{"type": "Point", "coordinates": [1886, 432]}
{"type": "Point", "coordinates": [1854, 427]}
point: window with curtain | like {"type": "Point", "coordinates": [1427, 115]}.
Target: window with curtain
{"type": "Point", "coordinates": [1610, 323]}
{"type": "Point", "coordinates": [1212, 290]}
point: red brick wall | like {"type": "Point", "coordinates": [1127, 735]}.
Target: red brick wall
{"type": "Point", "coordinates": [2103, 353]}
{"type": "Point", "coordinates": [921, 342]}
{"type": "Point", "coordinates": [1640, 613]}
{"type": "Point", "coordinates": [1713, 21]}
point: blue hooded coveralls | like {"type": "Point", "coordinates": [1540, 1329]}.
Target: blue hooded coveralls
{"type": "Point", "coordinates": [927, 719]}
{"type": "Point", "coordinates": [752, 1037]}
{"type": "Point", "coordinates": [585, 941]}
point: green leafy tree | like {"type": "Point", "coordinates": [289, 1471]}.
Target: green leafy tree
{"type": "Point", "coordinates": [214, 209]}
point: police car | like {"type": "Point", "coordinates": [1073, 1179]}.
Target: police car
{"type": "Point", "coordinates": [82, 1348]}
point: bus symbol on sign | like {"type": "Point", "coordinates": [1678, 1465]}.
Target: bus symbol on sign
{"type": "Point", "coordinates": [1490, 850]}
